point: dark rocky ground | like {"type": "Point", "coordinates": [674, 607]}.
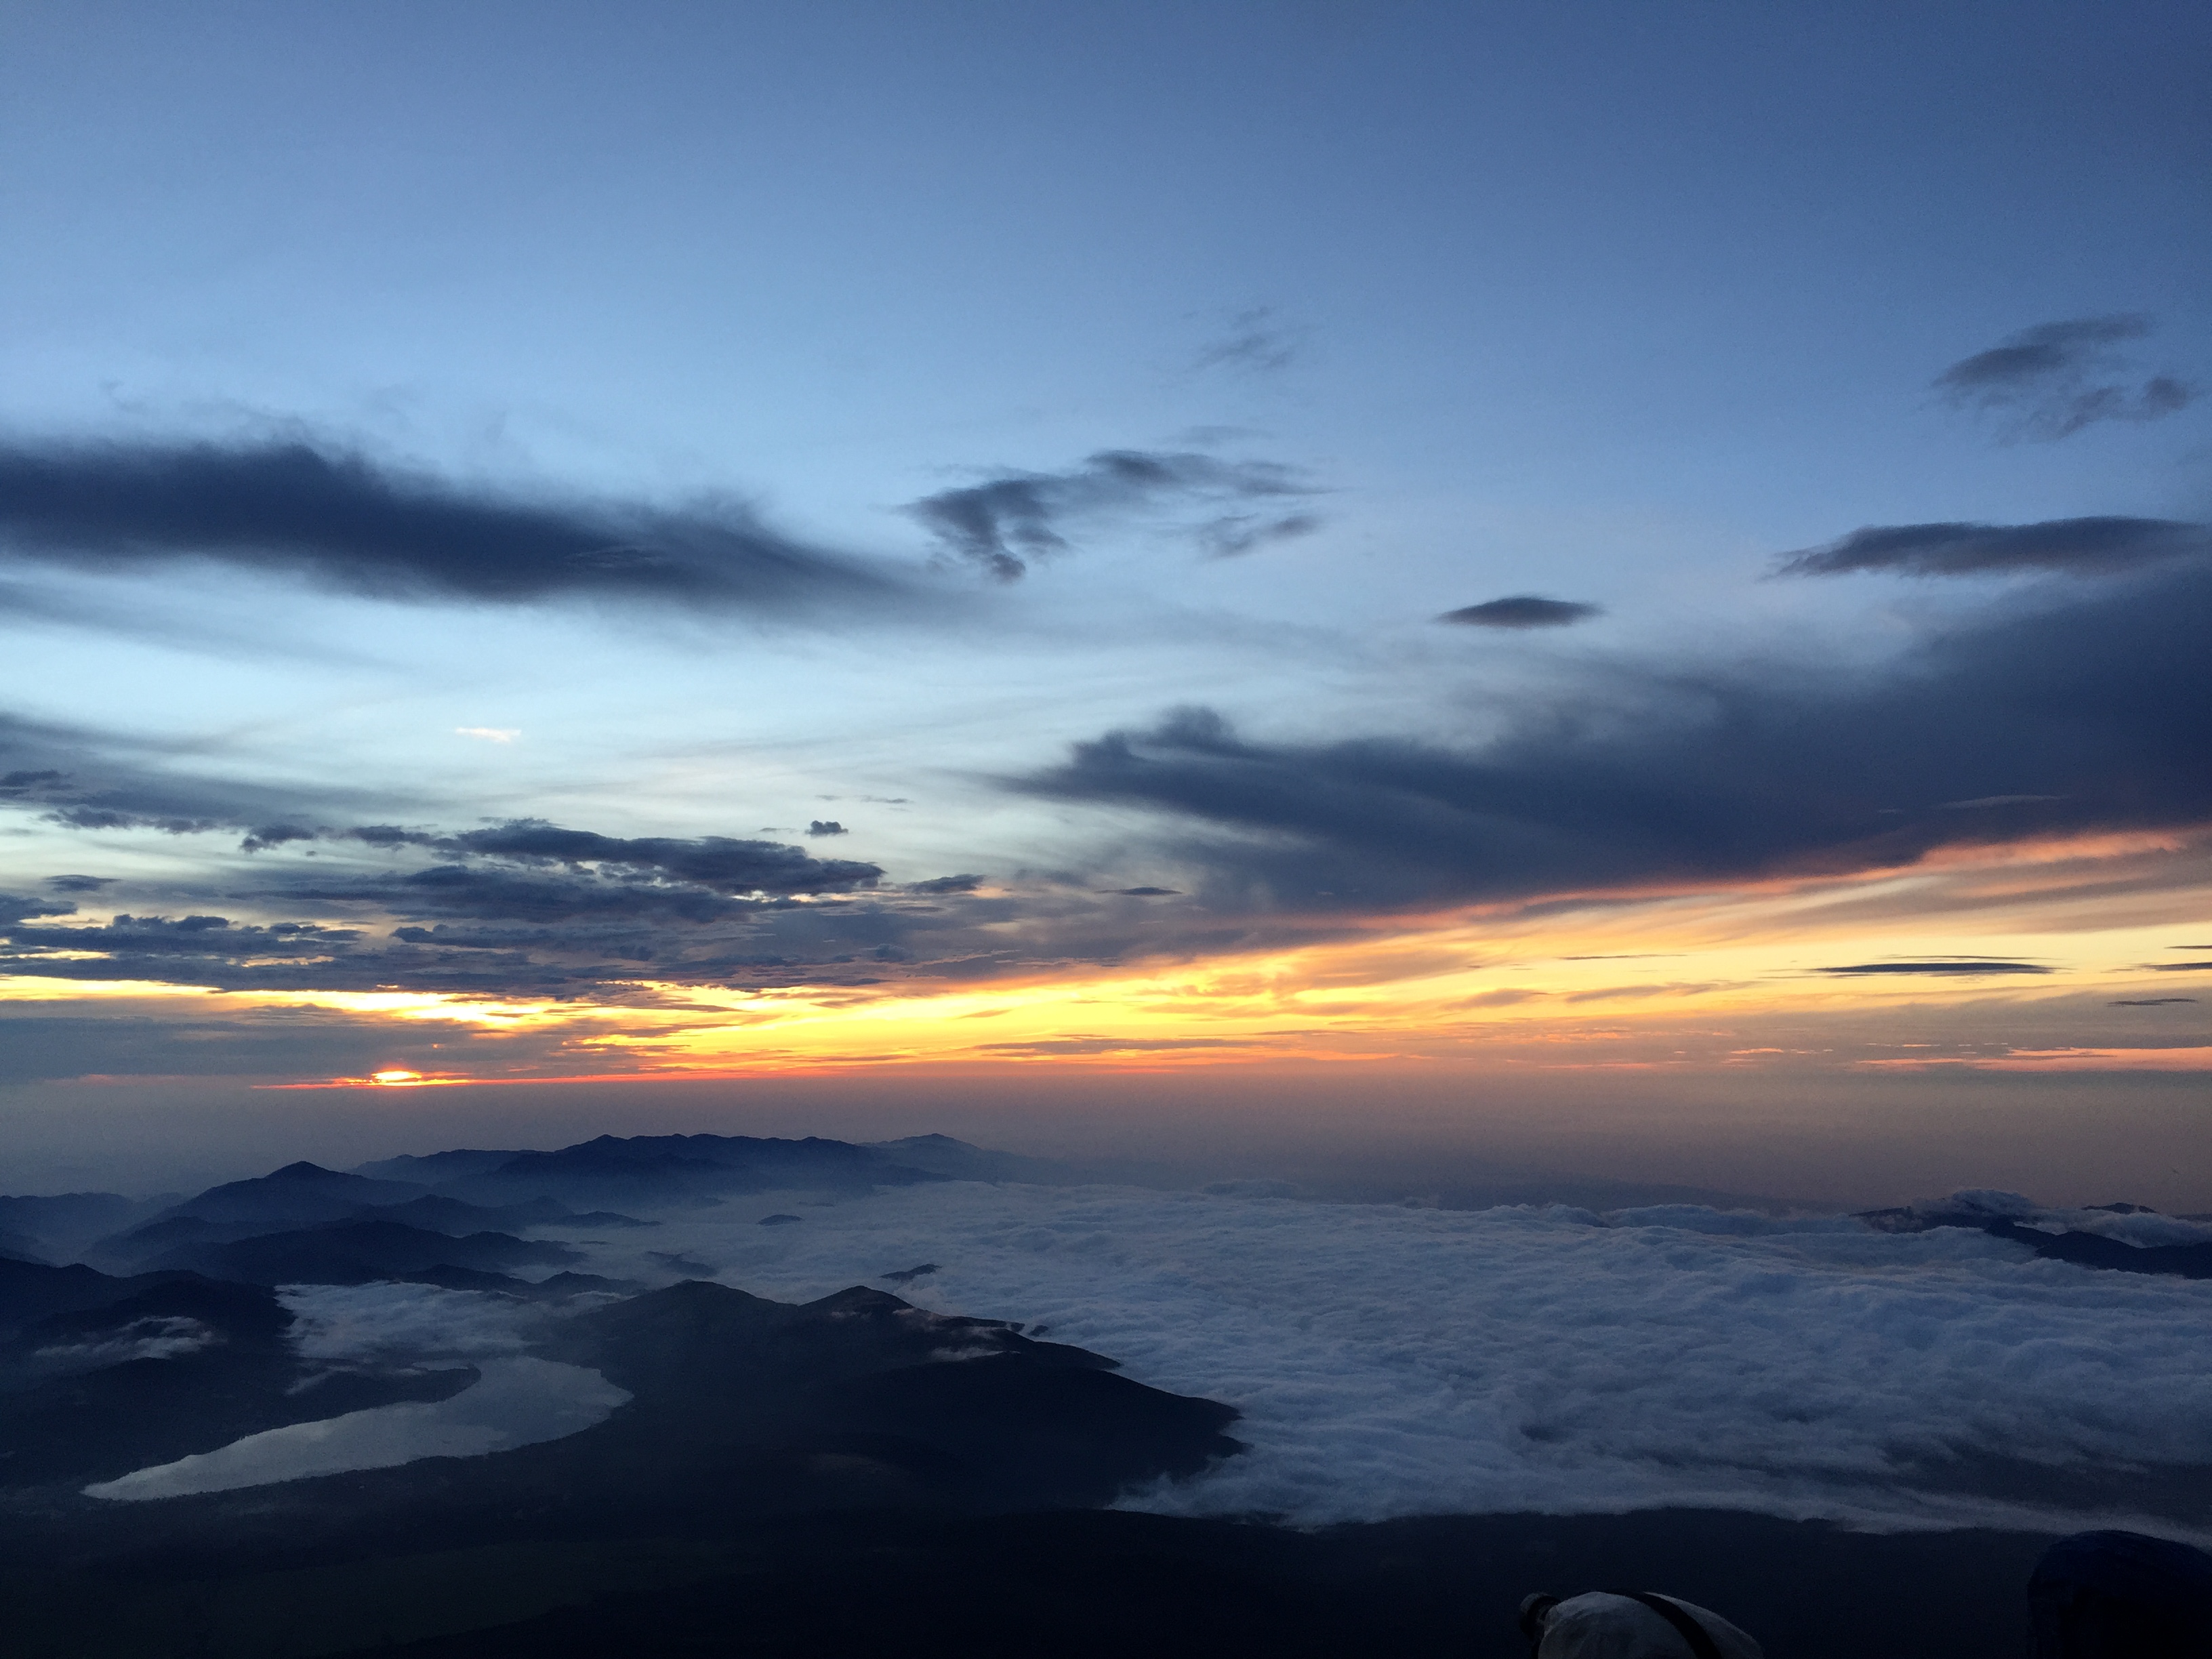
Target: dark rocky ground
{"type": "Point", "coordinates": [1073, 1582]}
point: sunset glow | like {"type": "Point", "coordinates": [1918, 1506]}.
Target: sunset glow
{"type": "Point", "coordinates": [1104, 830]}
{"type": "Point", "coordinates": [1124, 663]}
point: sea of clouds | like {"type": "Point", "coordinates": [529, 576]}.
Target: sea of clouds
{"type": "Point", "coordinates": [1391, 1361]}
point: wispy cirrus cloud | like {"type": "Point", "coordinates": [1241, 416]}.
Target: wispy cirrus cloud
{"type": "Point", "coordinates": [1255, 341]}
{"type": "Point", "coordinates": [1011, 520]}
{"type": "Point", "coordinates": [2051, 381]}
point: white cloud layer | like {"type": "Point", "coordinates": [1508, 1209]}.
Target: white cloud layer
{"type": "Point", "coordinates": [403, 1324]}
{"type": "Point", "coordinates": [160, 1337]}
{"type": "Point", "coordinates": [1393, 1362]}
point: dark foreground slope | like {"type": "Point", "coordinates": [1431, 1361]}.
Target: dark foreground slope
{"type": "Point", "coordinates": [741, 1408]}
{"type": "Point", "coordinates": [744, 1413]}
{"type": "Point", "coordinates": [856, 1475]}
{"type": "Point", "coordinates": [1097, 1584]}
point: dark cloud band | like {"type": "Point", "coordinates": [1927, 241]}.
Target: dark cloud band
{"type": "Point", "coordinates": [2094, 716]}
{"type": "Point", "coordinates": [319, 512]}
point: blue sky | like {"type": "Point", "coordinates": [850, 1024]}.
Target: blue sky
{"type": "Point", "coordinates": [1429, 304]}
{"type": "Point", "coordinates": [1586, 258]}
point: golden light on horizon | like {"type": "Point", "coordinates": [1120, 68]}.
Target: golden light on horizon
{"type": "Point", "coordinates": [2019, 959]}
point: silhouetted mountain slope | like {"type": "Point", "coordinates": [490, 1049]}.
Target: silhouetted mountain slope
{"type": "Point", "coordinates": [458, 1217]}
{"type": "Point", "coordinates": [479, 1193]}
{"type": "Point", "coordinates": [2071, 1244]}
{"type": "Point", "coordinates": [300, 1194]}
{"type": "Point", "coordinates": [558, 1287]}
{"type": "Point", "coordinates": [194, 1241]}
{"type": "Point", "coordinates": [136, 1250]}
{"type": "Point", "coordinates": [58, 1227]}
{"type": "Point", "coordinates": [356, 1252]}
{"type": "Point", "coordinates": [238, 1313]}
{"type": "Point", "coordinates": [700, 1337]}
{"type": "Point", "coordinates": [861, 1397]}
{"type": "Point", "coordinates": [435, 1169]}
{"type": "Point", "coordinates": [648, 1170]}
{"type": "Point", "coordinates": [2093, 1250]}
{"type": "Point", "coordinates": [31, 1291]}
{"type": "Point", "coordinates": [956, 1160]}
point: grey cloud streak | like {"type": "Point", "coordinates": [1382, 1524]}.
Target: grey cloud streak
{"type": "Point", "coordinates": [1254, 342]}
{"type": "Point", "coordinates": [720, 863]}
{"type": "Point", "coordinates": [524, 906]}
{"type": "Point", "coordinates": [1521, 611]}
{"type": "Point", "coordinates": [2051, 381]}
{"type": "Point", "coordinates": [320, 512]}
{"type": "Point", "coordinates": [1006, 524]}
{"type": "Point", "coordinates": [97, 780]}
{"type": "Point", "coordinates": [189, 936]}
{"type": "Point", "coordinates": [100, 783]}
{"type": "Point", "coordinates": [2082, 547]}
{"type": "Point", "coordinates": [491, 931]}
{"type": "Point", "coordinates": [1956, 967]}
{"type": "Point", "coordinates": [2093, 715]}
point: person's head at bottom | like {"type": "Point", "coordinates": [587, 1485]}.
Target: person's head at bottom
{"type": "Point", "coordinates": [1630, 1624]}
{"type": "Point", "coordinates": [2104, 1594]}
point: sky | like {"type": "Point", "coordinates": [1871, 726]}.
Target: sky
{"type": "Point", "coordinates": [1409, 591]}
